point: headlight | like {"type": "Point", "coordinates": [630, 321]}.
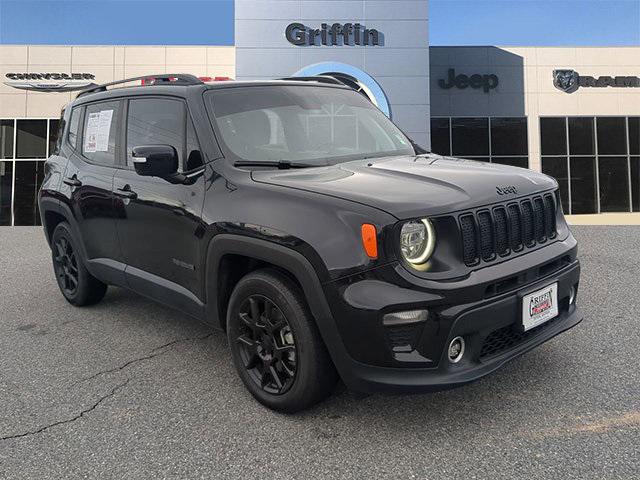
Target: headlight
{"type": "Point", "coordinates": [417, 241]}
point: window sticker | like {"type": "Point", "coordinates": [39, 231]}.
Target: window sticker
{"type": "Point", "coordinates": [91, 134]}
{"type": "Point", "coordinates": [98, 129]}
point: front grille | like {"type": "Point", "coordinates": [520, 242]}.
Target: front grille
{"type": "Point", "coordinates": [501, 230]}
{"type": "Point", "coordinates": [506, 338]}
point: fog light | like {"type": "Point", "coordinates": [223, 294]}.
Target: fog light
{"type": "Point", "coordinates": [572, 295]}
{"type": "Point", "coordinates": [408, 316]}
{"type": "Point", "coordinates": [456, 349]}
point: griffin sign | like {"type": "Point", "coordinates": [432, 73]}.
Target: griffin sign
{"type": "Point", "coordinates": [50, 82]}
{"type": "Point", "coordinates": [336, 34]}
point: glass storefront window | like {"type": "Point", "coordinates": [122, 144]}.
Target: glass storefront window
{"type": "Point", "coordinates": [31, 139]}
{"type": "Point", "coordinates": [635, 183]}
{"type": "Point", "coordinates": [29, 176]}
{"type": "Point", "coordinates": [612, 135]}
{"type": "Point", "coordinates": [581, 138]}
{"type": "Point", "coordinates": [583, 185]}
{"type": "Point", "coordinates": [21, 170]}
{"type": "Point", "coordinates": [522, 162]}
{"type": "Point", "coordinates": [500, 140]}
{"type": "Point", "coordinates": [553, 135]}
{"type": "Point", "coordinates": [558, 168]}
{"type": "Point", "coordinates": [440, 139]}
{"type": "Point", "coordinates": [634, 135]}
{"type": "Point", "coordinates": [6, 181]}
{"type": "Point", "coordinates": [470, 136]}
{"type": "Point", "coordinates": [509, 136]}
{"type": "Point", "coordinates": [6, 138]}
{"type": "Point", "coordinates": [613, 177]}
{"type": "Point", "coordinates": [613, 142]}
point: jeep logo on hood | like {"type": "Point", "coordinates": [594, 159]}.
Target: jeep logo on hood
{"type": "Point", "coordinates": [506, 190]}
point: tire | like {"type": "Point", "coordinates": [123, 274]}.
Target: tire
{"type": "Point", "coordinates": [77, 285]}
{"type": "Point", "coordinates": [272, 334]}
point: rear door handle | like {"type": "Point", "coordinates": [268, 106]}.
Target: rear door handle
{"type": "Point", "coordinates": [72, 181]}
{"type": "Point", "coordinates": [126, 192]}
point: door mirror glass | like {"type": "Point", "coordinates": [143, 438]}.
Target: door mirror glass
{"type": "Point", "coordinates": [155, 160]}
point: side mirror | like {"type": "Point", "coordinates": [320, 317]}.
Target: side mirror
{"type": "Point", "coordinates": [155, 160]}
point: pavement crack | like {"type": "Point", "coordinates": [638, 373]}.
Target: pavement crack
{"type": "Point", "coordinates": [110, 394]}
{"type": "Point", "coordinates": [157, 351]}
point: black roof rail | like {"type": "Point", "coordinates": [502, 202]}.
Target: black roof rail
{"type": "Point", "coordinates": [158, 79]}
{"type": "Point", "coordinates": [316, 78]}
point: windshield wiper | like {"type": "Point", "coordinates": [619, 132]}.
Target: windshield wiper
{"type": "Point", "coordinates": [280, 164]}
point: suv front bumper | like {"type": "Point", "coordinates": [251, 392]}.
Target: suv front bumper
{"type": "Point", "coordinates": [379, 361]}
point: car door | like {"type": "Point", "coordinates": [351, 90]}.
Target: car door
{"type": "Point", "coordinates": [93, 143]}
{"type": "Point", "coordinates": [159, 222]}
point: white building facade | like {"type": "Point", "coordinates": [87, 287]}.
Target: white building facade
{"type": "Point", "coordinates": [573, 113]}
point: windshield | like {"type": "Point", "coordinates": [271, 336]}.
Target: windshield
{"type": "Point", "coordinates": [306, 124]}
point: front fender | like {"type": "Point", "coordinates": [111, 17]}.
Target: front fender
{"type": "Point", "coordinates": [291, 261]}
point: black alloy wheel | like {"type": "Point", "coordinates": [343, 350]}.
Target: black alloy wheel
{"type": "Point", "coordinates": [267, 345]}
{"type": "Point", "coordinates": [275, 344]}
{"type": "Point", "coordinates": [76, 283]}
{"type": "Point", "coordinates": [66, 266]}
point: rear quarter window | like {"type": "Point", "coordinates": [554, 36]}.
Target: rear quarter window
{"type": "Point", "coordinates": [74, 127]}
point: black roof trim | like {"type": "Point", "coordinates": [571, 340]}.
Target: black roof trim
{"type": "Point", "coordinates": [158, 79]}
{"type": "Point", "coordinates": [316, 78]}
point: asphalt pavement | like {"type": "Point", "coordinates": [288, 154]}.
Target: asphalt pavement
{"type": "Point", "coordinates": [130, 389]}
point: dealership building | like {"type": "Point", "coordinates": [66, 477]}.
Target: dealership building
{"type": "Point", "coordinates": [573, 113]}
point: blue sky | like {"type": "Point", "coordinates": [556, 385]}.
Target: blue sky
{"type": "Point", "coordinates": [117, 22]}
{"type": "Point", "coordinates": [210, 22]}
{"type": "Point", "coordinates": [534, 22]}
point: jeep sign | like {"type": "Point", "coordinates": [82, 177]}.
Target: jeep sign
{"type": "Point", "coordinates": [486, 82]}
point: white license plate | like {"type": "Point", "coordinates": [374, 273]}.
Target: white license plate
{"type": "Point", "coordinates": [539, 307]}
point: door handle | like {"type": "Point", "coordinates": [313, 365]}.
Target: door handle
{"type": "Point", "coordinates": [126, 192]}
{"type": "Point", "coordinates": [72, 181]}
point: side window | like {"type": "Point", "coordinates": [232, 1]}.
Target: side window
{"type": "Point", "coordinates": [100, 133]}
{"type": "Point", "coordinates": [74, 126]}
{"type": "Point", "coordinates": [156, 121]}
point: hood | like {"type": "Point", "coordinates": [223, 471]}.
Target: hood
{"type": "Point", "coordinates": [410, 186]}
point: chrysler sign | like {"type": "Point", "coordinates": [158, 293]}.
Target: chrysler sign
{"type": "Point", "coordinates": [569, 81]}
{"type": "Point", "coordinates": [50, 82]}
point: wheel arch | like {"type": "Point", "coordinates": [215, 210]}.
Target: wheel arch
{"type": "Point", "coordinates": [285, 260]}
{"type": "Point", "coordinates": [53, 212]}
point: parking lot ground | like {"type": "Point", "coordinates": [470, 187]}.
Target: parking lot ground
{"type": "Point", "coordinates": [129, 389]}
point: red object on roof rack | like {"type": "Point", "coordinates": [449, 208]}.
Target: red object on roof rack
{"type": "Point", "coordinates": [154, 81]}
{"type": "Point", "coordinates": [158, 79]}
{"type": "Point", "coordinates": [215, 79]}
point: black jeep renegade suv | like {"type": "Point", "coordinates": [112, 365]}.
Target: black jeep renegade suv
{"type": "Point", "coordinates": [295, 217]}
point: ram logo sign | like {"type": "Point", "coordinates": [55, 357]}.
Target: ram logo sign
{"type": "Point", "coordinates": [569, 81]}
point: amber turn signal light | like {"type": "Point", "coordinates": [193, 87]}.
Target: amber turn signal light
{"type": "Point", "coordinates": [369, 240]}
